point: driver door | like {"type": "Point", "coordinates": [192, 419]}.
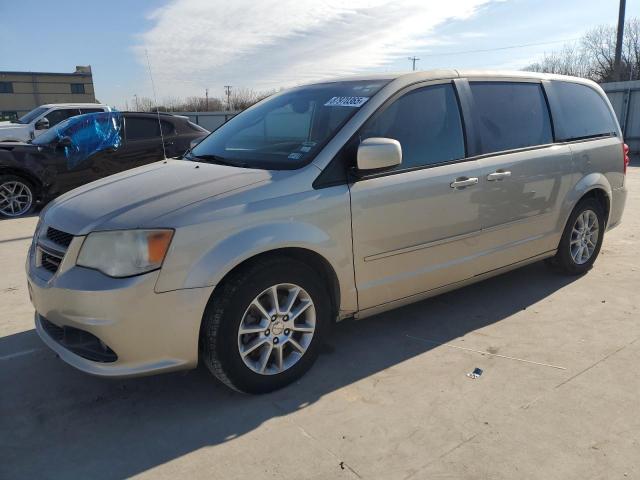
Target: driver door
{"type": "Point", "coordinates": [87, 160]}
{"type": "Point", "coordinates": [415, 226]}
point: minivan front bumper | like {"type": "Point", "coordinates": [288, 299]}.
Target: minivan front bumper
{"type": "Point", "coordinates": [148, 332]}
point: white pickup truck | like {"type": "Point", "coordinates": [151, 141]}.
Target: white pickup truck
{"type": "Point", "coordinates": [42, 118]}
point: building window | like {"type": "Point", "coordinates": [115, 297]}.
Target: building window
{"type": "Point", "coordinates": [77, 88]}
{"type": "Point", "coordinates": [6, 87]}
{"type": "Point", "coordinates": [8, 116]}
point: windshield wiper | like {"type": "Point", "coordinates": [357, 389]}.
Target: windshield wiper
{"type": "Point", "coordinates": [216, 159]}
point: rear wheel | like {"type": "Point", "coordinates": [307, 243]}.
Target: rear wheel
{"type": "Point", "coordinates": [17, 196]}
{"type": "Point", "coordinates": [263, 328]}
{"type": "Point", "coordinates": [581, 239]}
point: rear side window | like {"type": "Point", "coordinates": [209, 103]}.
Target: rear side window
{"type": "Point", "coordinates": [427, 124]}
{"type": "Point", "coordinates": [139, 128]}
{"type": "Point", "coordinates": [510, 115]}
{"type": "Point", "coordinates": [168, 128]}
{"type": "Point", "coordinates": [582, 112]}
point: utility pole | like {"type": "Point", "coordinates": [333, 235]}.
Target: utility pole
{"type": "Point", "coordinates": [617, 71]}
{"type": "Point", "coordinates": [206, 95]}
{"type": "Point", "coordinates": [135, 95]}
{"type": "Point", "coordinates": [413, 61]}
{"type": "Point", "coordinates": [227, 89]}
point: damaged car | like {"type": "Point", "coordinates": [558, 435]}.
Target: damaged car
{"type": "Point", "coordinates": [85, 148]}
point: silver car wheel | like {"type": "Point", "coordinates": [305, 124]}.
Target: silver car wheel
{"type": "Point", "coordinates": [276, 329]}
{"type": "Point", "coordinates": [584, 237]}
{"type": "Point", "coordinates": [15, 198]}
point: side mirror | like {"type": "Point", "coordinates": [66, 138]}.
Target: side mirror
{"type": "Point", "coordinates": [42, 124]}
{"type": "Point", "coordinates": [64, 142]}
{"type": "Point", "coordinates": [378, 153]}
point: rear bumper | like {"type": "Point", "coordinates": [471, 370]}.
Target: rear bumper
{"type": "Point", "coordinates": [148, 332]}
{"type": "Point", "coordinates": [618, 202]}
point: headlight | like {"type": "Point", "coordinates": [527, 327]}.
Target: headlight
{"type": "Point", "coordinates": [124, 253]}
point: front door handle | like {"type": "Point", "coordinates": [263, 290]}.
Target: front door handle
{"type": "Point", "coordinates": [498, 175]}
{"type": "Point", "coordinates": [462, 182]}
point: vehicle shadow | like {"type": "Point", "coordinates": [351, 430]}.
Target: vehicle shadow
{"type": "Point", "coordinates": [58, 422]}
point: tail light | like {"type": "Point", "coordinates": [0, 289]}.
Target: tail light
{"type": "Point", "coordinates": [625, 155]}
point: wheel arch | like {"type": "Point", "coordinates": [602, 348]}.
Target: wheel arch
{"type": "Point", "coordinates": [594, 185]}
{"type": "Point", "coordinates": [304, 255]}
{"type": "Point", "coordinates": [35, 181]}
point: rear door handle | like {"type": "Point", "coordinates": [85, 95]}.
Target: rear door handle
{"type": "Point", "coordinates": [462, 182]}
{"type": "Point", "coordinates": [498, 175]}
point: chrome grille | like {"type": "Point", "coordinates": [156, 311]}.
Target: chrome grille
{"type": "Point", "coordinates": [49, 260]}
{"type": "Point", "coordinates": [59, 237]}
{"type": "Point", "coordinates": [51, 248]}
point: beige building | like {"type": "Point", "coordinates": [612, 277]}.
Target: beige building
{"type": "Point", "coordinates": [21, 92]}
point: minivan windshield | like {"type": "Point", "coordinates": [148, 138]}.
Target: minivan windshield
{"type": "Point", "coordinates": [287, 130]}
{"type": "Point", "coordinates": [32, 115]}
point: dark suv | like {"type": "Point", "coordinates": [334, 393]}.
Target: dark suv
{"type": "Point", "coordinates": [85, 148]}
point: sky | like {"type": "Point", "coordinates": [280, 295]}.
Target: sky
{"type": "Point", "coordinates": [193, 45]}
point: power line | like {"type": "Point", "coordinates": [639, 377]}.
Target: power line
{"type": "Point", "coordinates": [499, 48]}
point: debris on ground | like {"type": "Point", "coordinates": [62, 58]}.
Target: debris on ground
{"type": "Point", "coordinates": [475, 374]}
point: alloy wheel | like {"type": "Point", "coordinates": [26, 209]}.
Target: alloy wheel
{"type": "Point", "coordinates": [16, 198]}
{"type": "Point", "coordinates": [584, 237]}
{"type": "Point", "coordinates": [276, 329]}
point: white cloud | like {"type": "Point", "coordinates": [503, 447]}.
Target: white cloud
{"type": "Point", "coordinates": [267, 44]}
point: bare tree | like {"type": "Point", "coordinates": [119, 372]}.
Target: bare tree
{"type": "Point", "coordinates": [593, 56]}
{"type": "Point", "coordinates": [243, 98]}
{"type": "Point", "coordinates": [571, 60]}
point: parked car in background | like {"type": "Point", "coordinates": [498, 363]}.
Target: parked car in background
{"type": "Point", "coordinates": [42, 118]}
{"type": "Point", "coordinates": [328, 201]}
{"type": "Point", "coordinates": [85, 148]}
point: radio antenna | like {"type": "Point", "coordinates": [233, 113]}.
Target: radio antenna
{"type": "Point", "coordinates": [155, 101]}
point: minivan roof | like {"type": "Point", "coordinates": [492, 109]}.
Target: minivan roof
{"type": "Point", "coordinates": [426, 75]}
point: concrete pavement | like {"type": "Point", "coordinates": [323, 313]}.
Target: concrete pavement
{"type": "Point", "coordinates": [388, 399]}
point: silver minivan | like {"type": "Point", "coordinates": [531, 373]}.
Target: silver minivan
{"type": "Point", "coordinates": [328, 201]}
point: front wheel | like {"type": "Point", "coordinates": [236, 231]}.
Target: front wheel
{"type": "Point", "coordinates": [265, 324]}
{"type": "Point", "coordinates": [581, 239]}
{"type": "Point", "coordinates": [17, 196]}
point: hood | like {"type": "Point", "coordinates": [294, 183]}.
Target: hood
{"type": "Point", "coordinates": [134, 198]}
{"type": "Point", "coordinates": [10, 131]}
{"type": "Point", "coordinates": [17, 126]}
{"type": "Point", "coordinates": [13, 145]}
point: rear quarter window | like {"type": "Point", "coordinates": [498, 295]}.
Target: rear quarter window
{"type": "Point", "coordinates": [510, 115]}
{"type": "Point", "coordinates": [580, 112]}
{"type": "Point", "coordinates": [139, 128]}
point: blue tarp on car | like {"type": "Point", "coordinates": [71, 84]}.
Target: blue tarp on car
{"type": "Point", "coordinates": [90, 134]}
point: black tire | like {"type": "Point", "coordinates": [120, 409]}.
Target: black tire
{"type": "Point", "coordinates": [219, 349]}
{"type": "Point", "coordinates": [4, 179]}
{"type": "Point", "coordinates": [563, 262]}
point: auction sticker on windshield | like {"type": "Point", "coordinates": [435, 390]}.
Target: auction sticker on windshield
{"type": "Point", "coordinates": [346, 102]}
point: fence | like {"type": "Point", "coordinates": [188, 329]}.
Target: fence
{"type": "Point", "coordinates": [625, 98]}
{"type": "Point", "coordinates": [208, 120]}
